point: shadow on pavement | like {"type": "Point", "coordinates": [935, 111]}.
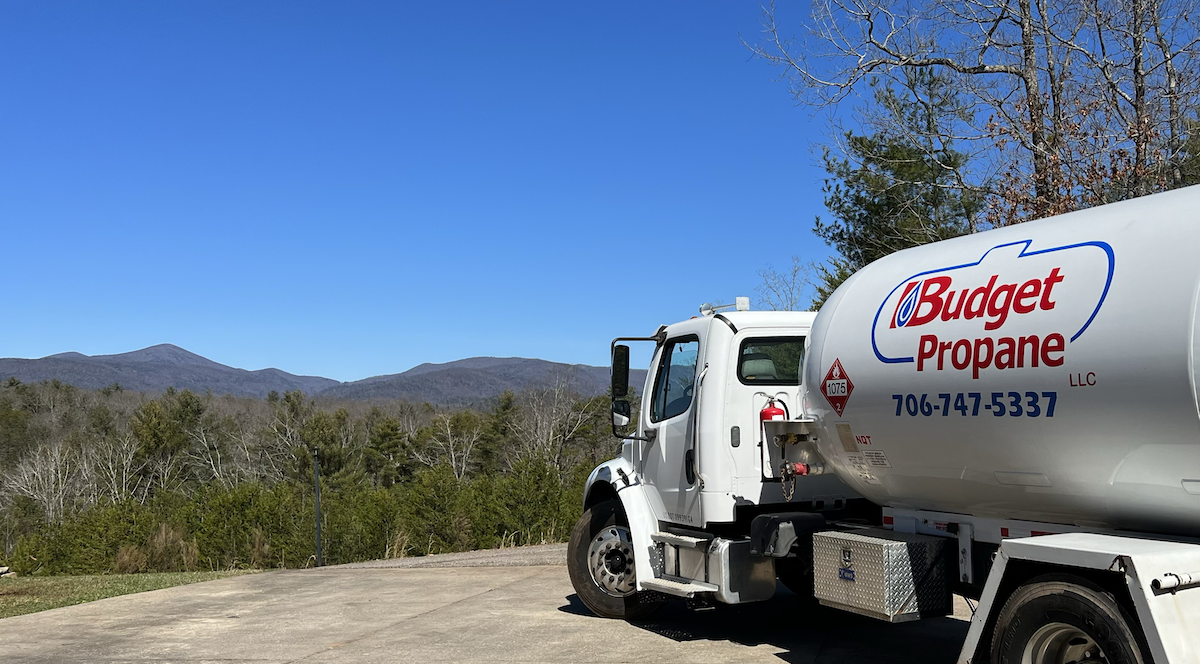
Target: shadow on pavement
{"type": "Point", "coordinates": [809, 634]}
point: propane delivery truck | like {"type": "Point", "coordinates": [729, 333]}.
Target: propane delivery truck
{"type": "Point", "coordinates": [1011, 415]}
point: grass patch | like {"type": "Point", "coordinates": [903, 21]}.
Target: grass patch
{"type": "Point", "coordinates": [28, 594]}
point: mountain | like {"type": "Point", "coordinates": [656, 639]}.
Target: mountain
{"type": "Point", "coordinates": [156, 368]}
{"type": "Point", "coordinates": [464, 382]}
{"type": "Point", "coordinates": [477, 379]}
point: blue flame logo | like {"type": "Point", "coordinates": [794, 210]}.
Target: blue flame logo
{"type": "Point", "coordinates": [908, 307]}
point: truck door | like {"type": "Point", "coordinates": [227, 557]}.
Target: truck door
{"type": "Point", "coordinates": [670, 422]}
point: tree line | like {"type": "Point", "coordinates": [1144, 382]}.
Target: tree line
{"type": "Point", "coordinates": [952, 116]}
{"type": "Point", "coordinates": [93, 481]}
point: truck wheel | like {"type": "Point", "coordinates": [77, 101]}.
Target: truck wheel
{"type": "Point", "coordinates": [600, 562]}
{"type": "Point", "coordinates": [1062, 619]}
{"type": "Point", "coordinates": [796, 574]}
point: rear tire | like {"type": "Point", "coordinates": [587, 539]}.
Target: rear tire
{"type": "Point", "coordinates": [600, 548]}
{"type": "Point", "coordinates": [1060, 619]}
{"type": "Point", "coordinates": [796, 574]}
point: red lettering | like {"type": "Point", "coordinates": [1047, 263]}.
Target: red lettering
{"type": "Point", "coordinates": [1029, 291]}
{"type": "Point", "coordinates": [982, 362]}
{"type": "Point", "coordinates": [1054, 343]}
{"type": "Point", "coordinates": [1006, 350]}
{"type": "Point", "coordinates": [983, 293]}
{"type": "Point", "coordinates": [942, 348]}
{"type": "Point", "coordinates": [933, 299]}
{"type": "Point", "coordinates": [987, 352]}
{"type": "Point", "coordinates": [1054, 278]}
{"type": "Point", "coordinates": [926, 350]}
{"type": "Point", "coordinates": [999, 310]}
{"type": "Point", "coordinates": [964, 344]}
{"type": "Point", "coordinates": [953, 314]}
{"type": "Point", "coordinates": [1032, 342]}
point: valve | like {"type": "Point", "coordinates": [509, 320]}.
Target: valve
{"type": "Point", "coordinates": [788, 472]}
{"type": "Point", "coordinates": [793, 469]}
{"type": "Point", "coordinates": [791, 439]}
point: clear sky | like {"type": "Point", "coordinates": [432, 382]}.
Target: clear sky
{"type": "Point", "coordinates": [349, 189]}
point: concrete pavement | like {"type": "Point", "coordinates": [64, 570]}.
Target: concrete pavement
{"type": "Point", "coordinates": [420, 611]}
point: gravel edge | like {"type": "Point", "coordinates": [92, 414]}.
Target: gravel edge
{"type": "Point", "coordinates": [521, 556]}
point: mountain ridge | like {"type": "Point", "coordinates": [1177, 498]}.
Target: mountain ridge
{"type": "Point", "coordinates": [153, 369]}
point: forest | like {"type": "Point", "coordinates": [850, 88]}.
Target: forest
{"type": "Point", "coordinates": [110, 480]}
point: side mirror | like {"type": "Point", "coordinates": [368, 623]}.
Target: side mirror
{"type": "Point", "coordinates": [620, 413]}
{"type": "Point", "coordinates": [620, 373]}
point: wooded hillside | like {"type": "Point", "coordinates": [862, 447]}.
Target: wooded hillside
{"type": "Point", "coordinates": [111, 479]}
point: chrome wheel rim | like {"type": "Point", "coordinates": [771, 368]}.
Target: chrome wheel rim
{"type": "Point", "coordinates": [1060, 643]}
{"type": "Point", "coordinates": [610, 559]}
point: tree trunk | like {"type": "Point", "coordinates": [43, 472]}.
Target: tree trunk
{"type": "Point", "coordinates": [1042, 178]}
{"type": "Point", "coordinates": [1141, 132]}
{"type": "Point", "coordinates": [1174, 116]}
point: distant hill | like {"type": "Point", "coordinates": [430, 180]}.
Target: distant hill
{"type": "Point", "coordinates": [464, 382]}
{"type": "Point", "coordinates": [156, 368]}
{"type": "Point", "coordinates": [477, 379]}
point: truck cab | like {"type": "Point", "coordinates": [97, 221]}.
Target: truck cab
{"type": "Point", "coordinates": [701, 472]}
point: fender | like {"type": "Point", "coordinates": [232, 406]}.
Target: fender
{"type": "Point", "coordinates": [1167, 616]}
{"type": "Point", "coordinates": [617, 476]}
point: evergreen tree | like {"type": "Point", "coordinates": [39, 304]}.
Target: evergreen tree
{"type": "Point", "coordinates": [898, 187]}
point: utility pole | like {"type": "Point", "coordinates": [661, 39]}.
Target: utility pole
{"type": "Point", "coordinates": [317, 491]}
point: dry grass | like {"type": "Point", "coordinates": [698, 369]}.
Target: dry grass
{"type": "Point", "coordinates": [29, 594]}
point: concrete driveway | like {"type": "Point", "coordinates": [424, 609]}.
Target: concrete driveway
{"type": "Point", "coordinates": [480, 607]}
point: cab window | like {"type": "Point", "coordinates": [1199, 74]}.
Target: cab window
{"type": "Point", "coordinates": [771, 361]}
{"type": "Point", "coordinates": [675, 378]}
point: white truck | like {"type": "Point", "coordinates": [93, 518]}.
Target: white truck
{"type": "Point", "coordinates": [1012, 416]}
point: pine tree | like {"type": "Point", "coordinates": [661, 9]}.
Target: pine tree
{"type": "Point", "coordinates": [898, 187]}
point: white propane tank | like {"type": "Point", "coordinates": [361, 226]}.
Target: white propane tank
{"type": "Point", "coordinates": [1044, 371]}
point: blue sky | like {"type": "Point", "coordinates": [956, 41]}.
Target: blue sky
{"type": "Point", "coordinates": [350, 189]}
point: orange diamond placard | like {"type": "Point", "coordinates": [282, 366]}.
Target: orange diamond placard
{"type": "Point", "coordinates": [837, 387]}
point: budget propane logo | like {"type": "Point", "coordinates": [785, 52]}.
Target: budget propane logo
{"type": "Point", "coordinates": [1013, 308]}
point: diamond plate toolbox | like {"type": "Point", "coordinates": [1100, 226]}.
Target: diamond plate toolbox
{"type": "Point", "coordinates": [882, 574]}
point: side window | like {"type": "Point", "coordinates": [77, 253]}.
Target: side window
{"type": "Point", "coordinates": [771, 361]}
{"type": "Point", "coordinates": [676, 374]}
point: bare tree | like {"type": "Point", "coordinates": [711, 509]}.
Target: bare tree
{"type": "Point", "coordinates": [209, 454]}
{"type": "Point", "coordinates": [412, 416]}
{"type": "Point", "coordinates": [785, 290]}
{"type": "Point", "coordinates": [289, 415]}
{"type": "Point", "coordinates": [114, 462]}
{"type": "Point", "coordinates": [164, 472]}
{"type": "Point", "coordinates": [1070, 103]}
{"type": "Point", "coordinates": [50, 477]}
{"type": "Point", "coordinates": [454, 439]}
{"type": "Point", "coordinates": [550, 417]}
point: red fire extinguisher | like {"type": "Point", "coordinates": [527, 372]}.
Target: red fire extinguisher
{"type": "Point", "coordinates": [771, 411]}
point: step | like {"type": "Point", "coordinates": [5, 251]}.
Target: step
{"type": "Point", "coordinates": [680, 540]}
{"type": "Point", "coordinates": [679, 588]}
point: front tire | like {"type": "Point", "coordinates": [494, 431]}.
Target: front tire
{"type": "Point", "coordinates": [601, 565]}
{"type": "Point", "coordinates": [1060, 619]}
